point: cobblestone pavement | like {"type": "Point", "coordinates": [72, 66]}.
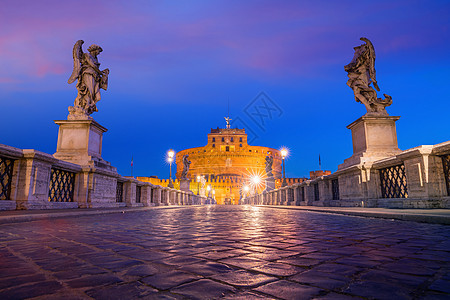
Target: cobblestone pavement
{"type": "Point", "coordinates": [232, 252]}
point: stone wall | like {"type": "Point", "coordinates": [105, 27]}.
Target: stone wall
{"type": "Point", "coordinates": [416, 178]}
{"type": "Point", "coordinates": [40, 181]}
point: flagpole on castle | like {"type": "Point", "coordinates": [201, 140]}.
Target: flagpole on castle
{"type": "Point", "coordinates": [131, 165]}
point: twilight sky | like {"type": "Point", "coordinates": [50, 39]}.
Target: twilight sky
{"type": "Point", "coordinates": [175, 65]}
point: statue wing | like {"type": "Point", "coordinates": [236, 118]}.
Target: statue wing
{"type": "Point", "coordinates": [77, 54]}
{"type": "Point", "coordinates": [371, 49]}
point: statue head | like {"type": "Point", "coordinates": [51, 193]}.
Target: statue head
{"type": "Point", "coordinates": [95, 47]}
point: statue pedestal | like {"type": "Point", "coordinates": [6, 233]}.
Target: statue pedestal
{"type": "Point", "coordinates": [270, 184]}
{"type": "Point", "coordinates": [374, 138]}
{"type": "Point", "coordinates": [184, 185]}
{"type": "Point", "coordinates": [80, 142]}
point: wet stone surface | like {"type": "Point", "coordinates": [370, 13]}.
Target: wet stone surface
{"type": "Point", "coordinates": [224, 252]}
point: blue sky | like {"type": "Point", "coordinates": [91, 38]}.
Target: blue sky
{"type": "Point", "coordinates": [176, 65]}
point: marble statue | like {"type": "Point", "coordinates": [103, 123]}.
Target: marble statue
{"type": "Point", "coordinates": [269, 163]}
{"type": "Point", "coordinates": [361, 74]}
{"type": "Point", "coordinates": [186, 163]}
{"type": "Point", "coordinates": [86, 69]}
{"type": "Point", "coordinates": [270, 181]}
{"type": "Point", "coordinates": [228, 119]}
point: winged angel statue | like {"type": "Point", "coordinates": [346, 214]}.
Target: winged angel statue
{"type": "Point", "coordinates": [86, 69]}
{"type": "Point", "coordinates": [361, 74]}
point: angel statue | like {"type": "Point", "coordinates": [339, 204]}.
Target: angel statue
{"type": "Point", "coordinates": [186, 163]}
{"type": "Point", "coordinates": [269, 163]}
{"type": "Point", "coordinates": [91, 79]}
{"type": "Point", "coordinates": [361, 74]}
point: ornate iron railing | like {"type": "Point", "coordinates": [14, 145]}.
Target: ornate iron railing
{"type": "Point", "coordinates": [138, 194]}
{"type": "Point", "coordinates": [6, 171]}
{"type": "Point", "coordinates": [61, 186]}
{"type": "Point", "coordinates": [290, 195]}
{"type": "Point", "coordinates": [393, 182]}
{"type": "Point", "coordinates": [119, 192]}
{"type": "Point", "coordinates": [151, 196]}
{"type": "Point", "coordinates": [335, 188]}
{"type": "Point", "coordinates": [316, 192]}
{"type": "Point", "coordinates": [446, 165]}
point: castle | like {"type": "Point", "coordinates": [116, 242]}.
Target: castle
{"type": "Point", "coordinates": [226, 164]}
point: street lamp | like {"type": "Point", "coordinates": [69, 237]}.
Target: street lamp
{"type": "Point", "coordinates": [256, 180]}
{"type": "Point", "coordinates": [284, 153]}
{"type": "Point", "coordinates": [170, 155]}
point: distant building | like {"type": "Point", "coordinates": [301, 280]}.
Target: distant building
{"type": "Point", "coordinates": [315, 174]}
{"type": "Point", "coordinates": [226, 163]}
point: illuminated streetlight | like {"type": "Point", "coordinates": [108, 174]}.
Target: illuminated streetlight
{"type": "Point", "coordinates": [284, 153]}
{"type": "Point", "coordinates": [170, 158]}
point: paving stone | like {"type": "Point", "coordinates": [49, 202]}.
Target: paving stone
{"type": "Point", "coordinates": [142, 270]}
{"type": "Point", "coordinates": [245, 296]}
{"type": "Point", "coordinates": [376, 256]}
{"type": "Point", "coordinates": [93, 280]}
{"type": "Point", "coordinates": [324, 282]}
{"type": "Point", "coordinates": [278, 269]}
{"type": "Point", "coordinates": [30, 291]}
{"type": "Point", "coordinates": [378, 290]}
{"type": "Point", "coordinates": [181, 260]}
{"type": "Point", "coordinates": [242, 278]}
{"type": "Point", "coordinates": [384, 276]}
{"type": "Point", "coordinates": [243, 262]}
{"type": "Point", "coordinates": [335, 296]}
{"type": "Point", "coordinates": [288, 290]}
{"type": "Point", "coordinates": [19, 280]}
{"type": "Point", "coordinates": [164, 281]}
{"type": "Point", "coordinates": [300, 261]}
{"type": "Point", "coordinates": [207, 269]}
{"type": "Point", "coordinates": [204, 289]}
{"type": "Point", "coordinates": [441, 286]}
{"type": "Point", "coordinates": [337, 268]}
{"type": "Point", "coordinates": [124, 291]}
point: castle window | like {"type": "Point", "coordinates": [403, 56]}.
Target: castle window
{"type": "Point", "coordinates": [214, 139]}
{"type": "Point", "coordinates": [223, 139]}
{"type": "Point", "coordinates": [240, 145]}
{"type": "Point", "coordinates": [227, 148]}
{"type": "Point", "coordinates": [240, 139]}
{"type": "Point", "coordinates": [249, 150]}
{"type": "Point", "coordinates": [232, 140]}
{"type": "Point", "coordinates": [214, 145]}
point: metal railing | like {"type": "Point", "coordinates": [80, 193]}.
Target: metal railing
{"type": "Point", "coordinates": [119, 192]}
{"type": "Point", "coordinates": [6, 171]}
{"type": "Point", "coordinates": [446, 166]}
{"type": "Point", "coordinates": [335, 188]}
{"type": "Point", "coordinates": [393, 182]}
{"type": "Point", "coordinates": [316, 192]}
{"type": "Point", "coordinates": [290, 195]}
{"type": "Point", "coordinates": [138, 194]}
{"type": "Point", "coordinates": [61, 186]}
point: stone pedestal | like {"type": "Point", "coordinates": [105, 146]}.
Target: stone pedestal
{"type": "Point", "coordinates": [184, 185]}
{"type": "Point", "coordinates": [80, 142]}
{"type": "Point", "coordinates": [374, 138]}
{"type": "Point", "coordinates": [270, 184]}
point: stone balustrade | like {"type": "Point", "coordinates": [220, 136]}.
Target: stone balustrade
{"type": "Point", "coordinates": [414, 178]}
{"type": "Point", "coordinates": [31, 179]}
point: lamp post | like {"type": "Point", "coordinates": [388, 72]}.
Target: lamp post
{"type": "Point", "coordinates": [170, 158]}
{"type": "Point", "coordinates": [208, 195]}
{"type": "Point", "coordinates": [256, 180]}
{"type": "Point", "coordinates": [246, 189]}
{"type": "Point", "coordinates": [284, 153]}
